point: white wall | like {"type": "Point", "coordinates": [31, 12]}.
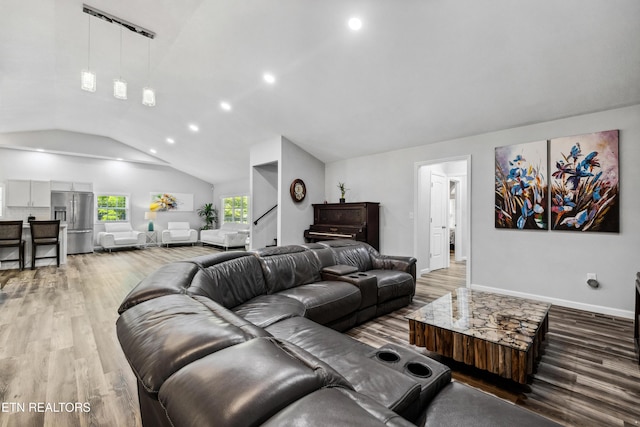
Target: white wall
{"type": "Point", "coordinates": [264, 161]}
{"type": "Point", "coordinates": [110, 176]}
{"type": "Point", "coordinates": [283, 161]}
{"type": "Point", "coordinates": [264, 195]}
{"type": "Point", "coordinates": [549, 265]}
{"type": "Point", "coordinates": [297, 217]}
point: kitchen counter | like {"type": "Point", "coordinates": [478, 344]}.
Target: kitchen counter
{"type": "Point", "coordinates": [43, 251]}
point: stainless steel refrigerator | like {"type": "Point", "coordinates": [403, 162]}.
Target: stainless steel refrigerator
{"type": "Point", "coordinates": [76, 210]}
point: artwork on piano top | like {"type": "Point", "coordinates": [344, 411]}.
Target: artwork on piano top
{"type": "Point", "coordinates": [343, 191]}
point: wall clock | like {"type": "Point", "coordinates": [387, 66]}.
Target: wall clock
{"type": "Point", "coordinates": [298, 190]}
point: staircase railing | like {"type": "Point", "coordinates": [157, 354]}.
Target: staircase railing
{"type": "Point", "coordinates": [264, 214]}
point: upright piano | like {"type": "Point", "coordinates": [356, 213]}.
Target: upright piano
{"type": "Point", "coordinates": [357, 221]}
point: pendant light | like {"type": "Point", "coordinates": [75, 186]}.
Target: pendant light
{"type": "Point", "coordinates": [88, 77]}
{"type": "Point", "coordinates": [119, 85]}
{"type": "Point", "coordinates": [148, 94]}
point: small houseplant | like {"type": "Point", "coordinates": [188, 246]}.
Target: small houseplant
{"type": "Point", "coordinates": [210, 215]}
{"type": "Point", "coordinates": [343, 190]}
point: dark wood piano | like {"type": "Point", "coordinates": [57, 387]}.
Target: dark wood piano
{"type": "Point", "coordinates": [357, 221]}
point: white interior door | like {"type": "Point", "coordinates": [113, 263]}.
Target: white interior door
{"type": "Point", "coordinates": [438, 231]}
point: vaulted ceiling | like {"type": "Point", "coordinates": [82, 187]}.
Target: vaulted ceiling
{"type": "Point", "coordinates": [417, 72]}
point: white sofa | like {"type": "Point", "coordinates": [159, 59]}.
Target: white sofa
{"type": "Point", "coordinates": [179, 232]}
{"type": "Point", "coordinates": [120, 235]}
{"type": "Point", "coordinates": [229, 235]}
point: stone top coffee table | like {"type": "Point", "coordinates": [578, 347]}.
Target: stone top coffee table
{"type": "Point", "coordinates": [497, 333]}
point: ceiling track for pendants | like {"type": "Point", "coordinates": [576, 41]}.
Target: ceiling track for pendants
{"type": "Point", "coordinates": [119, 21]}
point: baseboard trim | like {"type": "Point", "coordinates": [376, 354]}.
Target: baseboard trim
{"type": "Point", "coordinates": [565, 303]}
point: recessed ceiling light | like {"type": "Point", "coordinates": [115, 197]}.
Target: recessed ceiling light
{"type": "Point", "coordinates": [119, 159]}
{"type": "Point", "coordinates": [355, 23]}
{"type": "Point", "coordinates": [194, 127]}
{"type": "Point", "coordinates": [40, 150]}
{"type": "Point", "coordinates": [153, 151]}
{"type": "Point", "coordinates": [269, 78]}
{"type": "Point", "coordinates": [225, 106]}
{"type": "Point", "coordinates": [171, 140]}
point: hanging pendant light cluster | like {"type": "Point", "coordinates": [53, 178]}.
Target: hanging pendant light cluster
{"type": "Point", "coordinates": [88, 80]}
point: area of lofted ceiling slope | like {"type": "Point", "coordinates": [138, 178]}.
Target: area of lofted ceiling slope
{"type": "Point", "coordinates": [424, 72]}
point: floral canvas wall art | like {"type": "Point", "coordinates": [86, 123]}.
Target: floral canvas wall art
{"type": "Point", "coordinates": [521, 186]}
{"type": "Point", "coordinates": [585, 182]}
{"type": "Point", "coordinates": [171, 202]}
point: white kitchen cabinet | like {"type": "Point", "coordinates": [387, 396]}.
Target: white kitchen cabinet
{"type": "Point", "coordinates": [18, 193]}
{"type": "Point", "coordinates": [83, 186]}
{"type": "Point", "coordinates": [29, 194]}
{"type": "Point", "coordinates": [71, 186]}
{"type": "Point", "coordinates": [40, 194]}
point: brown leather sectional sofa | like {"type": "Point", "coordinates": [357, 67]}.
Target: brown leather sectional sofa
{"type": "Point", "coordinates": [253, 338]}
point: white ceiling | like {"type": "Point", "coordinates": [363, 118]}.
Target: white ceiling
{"type": "Point", "coordinates": [418, 72]}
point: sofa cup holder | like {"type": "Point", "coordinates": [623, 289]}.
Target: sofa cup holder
{"type": "Point", "coordinates": [418, 369]}
{"type": "Point", "coordinates": [387, 356]}
{"type": "Point", "coordinates": [414, 369]}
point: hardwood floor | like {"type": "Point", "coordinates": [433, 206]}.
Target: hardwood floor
{"type": "Point", "coordinates": [587, 376]}
{"type": "Point", "coordinates": [58, 345]}
{"type": "Point", "coordinates": [58, 341]}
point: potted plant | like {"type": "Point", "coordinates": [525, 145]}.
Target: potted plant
{"type": "Point", "coordinates": [210, 216]}
{"type": "Point", "coordinates": [343, 190]}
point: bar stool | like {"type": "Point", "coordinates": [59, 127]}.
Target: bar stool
{"type": "Point", "coordinates": [44, 233]}
{"type": "Point", "coordinates": [11, 237]}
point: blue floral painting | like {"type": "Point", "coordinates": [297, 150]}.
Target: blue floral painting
{"type": "Point", "coordinates": [585, 182]}
{"type": "Point", "coordinates": [521, 186]}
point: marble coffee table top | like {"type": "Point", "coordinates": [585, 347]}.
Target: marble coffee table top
{"type": "Point", "coordinates": [502, 319]}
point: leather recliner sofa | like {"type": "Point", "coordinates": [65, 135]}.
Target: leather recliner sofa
{"type": "Point", "coordinates": [237, 338]}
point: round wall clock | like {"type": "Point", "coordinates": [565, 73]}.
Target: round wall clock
{"type": "Point", "coordinates": [298, 190]}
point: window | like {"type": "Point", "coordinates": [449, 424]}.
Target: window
{"type": "Point", "coordinates": [1, 199]}
{"type": "Point", "coordinates": [112, 207]}
{"type": "Point", "coordinates": [235, 209]}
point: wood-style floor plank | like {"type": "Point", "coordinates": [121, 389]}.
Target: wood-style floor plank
{"type": "Point", "coordinates": [587, 376]}
{"type": "Point", "coordinates": [58, 343]}
{"type": "Point", "coordinates": [58, 340]}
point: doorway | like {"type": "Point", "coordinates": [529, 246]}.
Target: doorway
{"type": "Point", "coordinates": [264, 200]}
{"type": "Point", "coordinates": [442, 214]}
{"type": "Point", "coordinates": [438, 227]}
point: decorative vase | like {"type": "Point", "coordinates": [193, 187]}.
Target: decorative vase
{"type": "Point", "coordinates": [150, 228]}
{"type": "Point", "coordinates": [341, 199]}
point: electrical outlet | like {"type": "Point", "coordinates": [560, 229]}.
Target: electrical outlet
{"type": "Point", "coordinates": [592, 276]}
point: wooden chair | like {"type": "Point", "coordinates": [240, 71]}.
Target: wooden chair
{"type": "Point", "coordinates": [11, 237]}
{"type": "Point", "coordinates": [44, 233]}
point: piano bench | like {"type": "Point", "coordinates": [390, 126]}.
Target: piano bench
{"type": "Point", "coordinates": [367, 283]}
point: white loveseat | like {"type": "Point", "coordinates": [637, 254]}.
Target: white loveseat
{"type": "Point", "coordinates": [229, 235]}
{"type": "Point", "coordinates": [120, 235]}
{"type": "Point", "coordinates": [179, 232]}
